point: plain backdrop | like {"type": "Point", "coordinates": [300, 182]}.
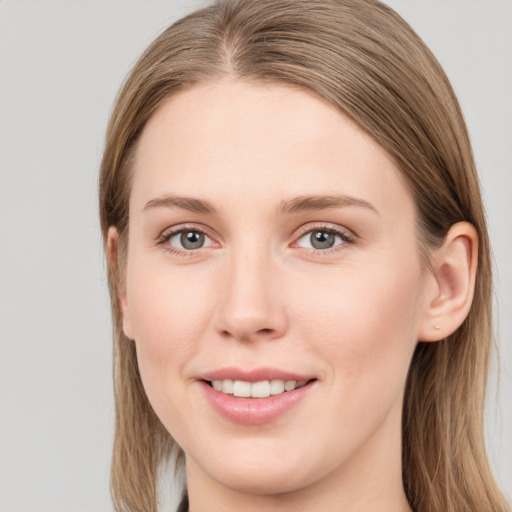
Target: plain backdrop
{"type": "Point", "coordinates": [61, 65]}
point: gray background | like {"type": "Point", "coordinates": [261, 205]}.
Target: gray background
{"type": "Point", "coordinates": [61, 65]}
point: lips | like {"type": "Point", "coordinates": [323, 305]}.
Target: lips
{"type": "Point", "coordinates": [257, 396]}
{"type": "Point", "coordinates": [254, 375]}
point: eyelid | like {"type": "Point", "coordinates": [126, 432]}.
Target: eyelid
{"type": "Point", "coordinates": [347, 236]}
{"type": "Point", "coordinates": [171, 231]}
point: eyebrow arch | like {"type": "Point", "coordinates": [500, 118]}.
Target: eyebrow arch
{"type": "Point", "coordinates": [186, 203]}
{"type": "Point", "coordinates": [307, 203]}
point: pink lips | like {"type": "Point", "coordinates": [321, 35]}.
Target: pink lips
{"type": "Point", "coordinates": [254, 411]}
{"type": "Point", "coordinates": [255, 375]}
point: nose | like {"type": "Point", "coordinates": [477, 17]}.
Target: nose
{"type": "Point", "coordinates": [251, 305]}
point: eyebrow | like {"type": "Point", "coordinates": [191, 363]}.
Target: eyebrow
{"type": "Point", "coordinates": [294, 205]}
{"type": "Point", "coordinates": [308, 203]}
{"type": "Point", "coordinates": [185, 203]}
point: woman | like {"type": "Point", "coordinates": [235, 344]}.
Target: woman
{"type": "Point", "coordinates": [299, 267]}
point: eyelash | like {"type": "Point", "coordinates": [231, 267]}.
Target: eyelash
{"type": "Point", "coordinates": [345, 236]}
{"type": "Point", "coordinates": [164, 238]}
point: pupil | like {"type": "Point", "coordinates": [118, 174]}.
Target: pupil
{"type": "Point", "coordinates": [322, 239]}
{"type": "Point", "coordinates": [192, 240]}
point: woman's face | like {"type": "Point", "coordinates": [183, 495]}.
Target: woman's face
{"type": "Point", "coordinates": [271, 241]}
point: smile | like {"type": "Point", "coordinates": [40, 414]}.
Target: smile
{"type": "Point", "coordinates": [255, 397]}
{"type": "Point", "coordinates": [261, 389]}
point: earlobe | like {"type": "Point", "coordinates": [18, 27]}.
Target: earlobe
{"type": "Point", "coordinates": [454, 267]}
{"type": "Point", "coordinates": [112, 251]}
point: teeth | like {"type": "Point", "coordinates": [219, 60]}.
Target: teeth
{"type": "Point", "coordinates": [227, 386]}
{"type": "Point", "coordinates": [289, 385]}
{"type": "Point", "coordinates": [262, 389]}
{"type": "Point", "coordinates": [242, 388]}
{"type": "Point", "coordinates": [276, 387]}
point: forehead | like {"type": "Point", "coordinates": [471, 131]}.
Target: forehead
{"type": "Point", "coordinates": [224, 138]}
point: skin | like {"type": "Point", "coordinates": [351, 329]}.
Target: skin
{"type": "Point", "coordinates": [257, 294]}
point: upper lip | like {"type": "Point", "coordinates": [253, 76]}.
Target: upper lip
{"type": "Point", "coordinates": [254, 375]}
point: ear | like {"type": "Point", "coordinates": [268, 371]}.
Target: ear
{"type": "Point", "coordinates": [452, 281]}
{"type": "Point", "coordinates": [113, 262]}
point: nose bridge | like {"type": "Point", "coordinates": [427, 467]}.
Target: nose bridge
{"type": "Point", "coordinates": [250, 305]}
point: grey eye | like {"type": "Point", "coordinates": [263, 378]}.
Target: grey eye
{"type": "Point", "coordinates": [191, 240]}
{"type": "Point", "coordinates": [322, 239]}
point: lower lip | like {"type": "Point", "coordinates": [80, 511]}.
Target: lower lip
{"type": "Point", "coordinates": [254, 411]}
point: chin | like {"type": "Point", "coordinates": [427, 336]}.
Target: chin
{"type": "Point", "coordinates": [265, 479]}
{"type": "Point", "coordinates": [263, 472]}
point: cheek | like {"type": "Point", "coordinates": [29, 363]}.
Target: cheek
{"type": "Point", "coordinates": [169, 311]}
{"type": "Point", "coordinates": [365, 323]}
{"type": "Point", "coordinates": [166, 304]}
{"type": "Point", "coordinates": [364, 329]}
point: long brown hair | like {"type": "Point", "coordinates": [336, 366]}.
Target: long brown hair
{"type": "Point", "coordinates": [364, 59]}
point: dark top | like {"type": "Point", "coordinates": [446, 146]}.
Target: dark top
{"type": "Point", "coordinates": [183, 506]}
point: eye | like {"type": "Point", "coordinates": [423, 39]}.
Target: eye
{"type": "Point", "coordinates": [187, 240]}
{"type": "Point", "coordinates": [322, 239]}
